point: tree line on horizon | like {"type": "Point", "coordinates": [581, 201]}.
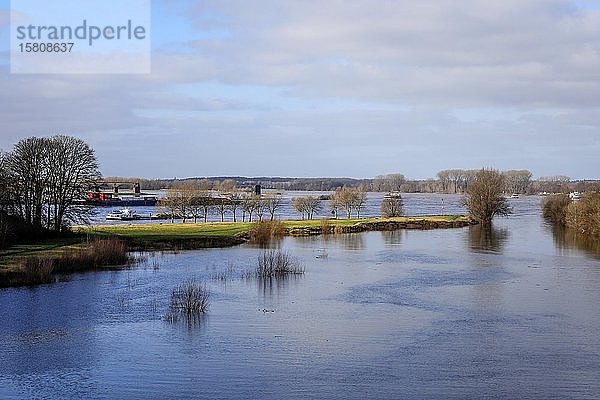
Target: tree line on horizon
{"type": "Point", "coordinates": [446, 181]}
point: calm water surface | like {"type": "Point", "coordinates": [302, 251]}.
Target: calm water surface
{"type": "Point", "coordinates": [461, 313]}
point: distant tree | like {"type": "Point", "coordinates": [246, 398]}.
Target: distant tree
{"type": "Point", "coordinates": [221, 204]}
{"type": "Point", "coordinates": [169, 205]}
{"type": "Point", "coordinates": [260, 206]}
{"type": "Point", "coordinates": [227, 186]}
{"type": "Point", "coordinates": [444, 179]}
{"type": "Point", "coordinates": [485, 198]}
{"type": "Point", "coordinates": [248, 206]}
{"type": "Point", "coordinates": [307, 205]}
{"type": "Point", "coordinates": [207, 203]}
{"type": "Point", "coordinates": [388, 183]}
{"type": "Point", "coordinates": [360, 198]}
{"type": "Point", "coordinates": [195, 204]}
{"type": "Point", "coordinates": [335, 205]}
{"type": "Point", "coordinates": [298, 206]}
{"type": "Point", "coordinates": [554, 184]}
{"type": "Point", "coordinates": [345, 198]}
{"type": "Point", "coordinates": [234, 202]}
{"type": "Point", "coordinates": [392, 206]}
{"type": "Point", "coordinates": [517, 181]}
{"type": "Point", "coordinates": [349, 199]}
{"type": "Point", "coordinates": [272, 204]}
{"type": "Point", "coordinates": [204, 184]}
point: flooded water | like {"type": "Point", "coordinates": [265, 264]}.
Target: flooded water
{"type": "Point", "coordinates": [459, 313]}
{"type": "Point", "coordinates": [414, 204]}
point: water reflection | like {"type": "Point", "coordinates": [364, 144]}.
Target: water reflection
{"type": "Point", "coordinates": [392, 237]}
{"type": "Point", "coordinates": [192, 323]}
{"type": "Point", "coordinates": [350, 241]}
{"type": "Point", "coordinates": [270, 287]}
{"type": "Point", "coordinates": [484, 239]}
{"type": "Point", "coordinates": [567, 239]}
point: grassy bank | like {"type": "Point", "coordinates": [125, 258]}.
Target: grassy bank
{"type": "Point", "coordinates": [219, 234]}
{"type": "Point", "coordinates": [95, 246]}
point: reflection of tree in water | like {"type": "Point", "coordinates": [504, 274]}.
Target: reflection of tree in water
{"type": "Point", "coordinates": [350, 241]}
{"type": "Point", "coordinates": [487, 238]}
{"type": "Point", "coordinates": [270, 286]}
{"type": "Point", "coordinates": [569, 239]}
{"type": "Point", "coordinates": [392, 237]}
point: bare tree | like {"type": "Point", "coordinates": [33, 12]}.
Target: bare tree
{"type": "Point", "coordinates": [222, 206]}
{"type": "Point", "coordinates": [444, 178]}
{"type": "Point", "coordinates": [392, 206]}
{"type": "Point", "coordinates": [484, 198]}
{"type": "Point", "coordinates": [272, 204]}
{"type": "Point", "coordinates": [307, 206]}
{"type": "Point", "coordinates": [335, 205]}
{"type": "Point", "coordinates": [227, 186]}
{"type": "Point", "coordinates": [28, 163]}
{"type": "Point", "coordinates": [517, 181]}
{"type": "Point", "coordinates": [260, 206]}
{"type": "Point", "coordinates": [298, 206]}
{"type": "Point", "coordinates": [73, 170]}
{"type": "Point", "coordinates": [345, 198]}
{"type": "Point", "coordinates": [48, 175]}
{"type": "Point", "coordinates": [389, 183]}
{"type": "Point", "coordinates": [173, 204]}
{"type": "Point", "coordinates": [195, 204]}
{"type": "Point", "coordinates": [360, 198]}
{"type": "Point", "coordinates": [234, 202]}
{"type": "Point", "coordinates": [248, 205]}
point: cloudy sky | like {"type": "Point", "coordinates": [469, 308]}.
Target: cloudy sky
{"type": "Point", "coordinates": [334, 88]}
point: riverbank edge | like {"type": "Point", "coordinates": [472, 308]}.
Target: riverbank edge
{"type": "Point", "coordinates": [177, 237]}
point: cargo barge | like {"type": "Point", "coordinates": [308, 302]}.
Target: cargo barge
{"type": "Point", "coordinates": [100, 198]}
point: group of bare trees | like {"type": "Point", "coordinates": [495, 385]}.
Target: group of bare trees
{"type": "Point", "coordinates": [42, 178]}
{"type": "Point", "coordinates": [348, 200]}
{"type": "Point", "coordinates": [192, 202]}
{"type": "Point", "coordinates": [307, 206]}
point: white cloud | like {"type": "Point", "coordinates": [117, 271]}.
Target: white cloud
{"type": "Point", "coordinates": [494, 82]}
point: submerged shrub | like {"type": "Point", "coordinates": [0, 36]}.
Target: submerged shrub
{"type": "Point", "coordinates": [277, 263]}
{"type": "Point", "coordinates": [264, 232]}
{"type": "Point", "coordinates": [554, 208]}
{"type": "Point", "coordinates": [188, 299]}
{"type": "Point", "coordinates": [584, 215]}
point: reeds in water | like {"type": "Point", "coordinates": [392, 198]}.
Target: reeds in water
{"type": "Point", "coordinates": [277, 263]}
{"type": "Point", "coordinates": [188, 300]}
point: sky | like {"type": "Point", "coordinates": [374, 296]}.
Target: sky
{"type": "Point", "coordinates": [333, 88]}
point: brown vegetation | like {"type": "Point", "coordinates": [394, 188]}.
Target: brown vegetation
{"type": "Point", "coordinates": [584, 216]}
{"type": "Point", "coordinates": [277, 263]}
{"type": "Point", "coordinates": [264, 233]}
{"type": "Point", "coordinates": [392, 206]}
{"type": "Point", "coordinates": [485, 198]}
{"type": "Point", "coordinates": [188, 300]}
{"type": "Point", "coordinates": [554, 208]}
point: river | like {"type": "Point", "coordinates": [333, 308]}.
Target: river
{"type": "Point", "coordinates": [456, 313]}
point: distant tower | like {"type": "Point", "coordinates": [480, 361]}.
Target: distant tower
{"type": "Point", "coordinates": [257, 190]}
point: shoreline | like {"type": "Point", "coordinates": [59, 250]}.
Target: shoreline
{"type": "Point", "coordinates": [190, 236]}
